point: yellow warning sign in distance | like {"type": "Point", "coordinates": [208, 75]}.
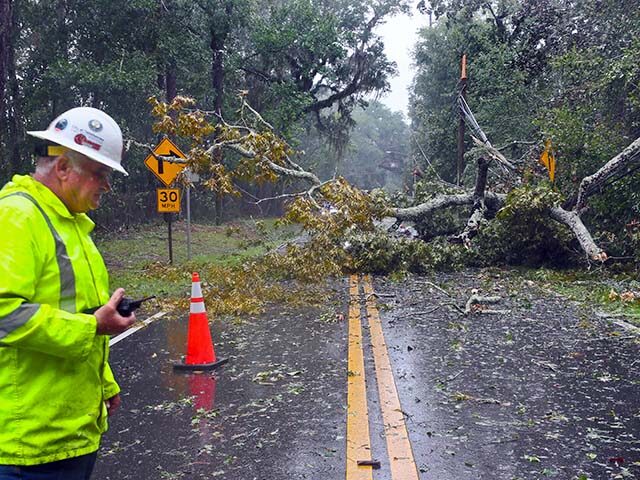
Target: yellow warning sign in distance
{"type": "Point", "coordinates": [548, 159]}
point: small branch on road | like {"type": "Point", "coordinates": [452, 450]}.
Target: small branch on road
{"type": "Point", "coordinates": [425, 312]}
{"type": "Point", "coordinates": [438, 288]}
{"type": "Point", "coordinates": [492, 401]}
{"type": "Point", "coordinates": [627, 326]}
{"type": "Point", "coordinates": [508, 440]}
{"type": "Point", "coordinates": [378, 295]}
{"type": "Point", "coordinates": [461, 311]}
{"type": "Point", "coordinates": [607, 316]}
{"type": "Point", "coordinates": [475, 302]}
{"type": "Point", "coordinates": [549, 365]}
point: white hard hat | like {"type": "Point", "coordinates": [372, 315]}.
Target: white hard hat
{"type": "Point", "coordinates": [88, 131]}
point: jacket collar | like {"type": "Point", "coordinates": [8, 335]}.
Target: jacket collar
{"type": "Point", "coordinates": [46, 197]}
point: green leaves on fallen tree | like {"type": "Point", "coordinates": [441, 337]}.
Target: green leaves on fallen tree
{"type": "Point", "coordinates": [344, 211]}
{"type": "Point", "coordinates": [523, 233]}
{"type": "Point", "coordinates": [207, 136]}
{"type": "Point", "coordinates": [529, 200]}
{"type": "Point", "coordinates": [377, 252]}
{"type": "Point", "coordinates": [328, 212]}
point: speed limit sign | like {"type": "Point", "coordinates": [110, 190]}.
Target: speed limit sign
{"type": "Point", "coordinates": [168, 200]}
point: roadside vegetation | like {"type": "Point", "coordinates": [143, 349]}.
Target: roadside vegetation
{"type": "Point", "coordinates": [247, 265]}
{"type": "Point", "coordinates": [241, 265]}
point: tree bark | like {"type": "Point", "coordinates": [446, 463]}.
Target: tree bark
{"type": "Point", "coordinates": [479, 208]}
{"type": "Point", "coordinates": [6, 21]}
{"type": "Point", "coordinates": [494, 201]}
{"type": "Point", "coordinates": [171, 81]}
{"type": "Point", "coordinates": [572, 220]}
{"type": "Point", "coordinates": [219, 34]}
{"type": "Point", "coordinates": [10, 109]}
{"type": "Point", "coordinates": [617, 164]}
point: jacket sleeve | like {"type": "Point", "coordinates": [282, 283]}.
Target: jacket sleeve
{"type": "Point", "coordinates": [109, 385]}
{"type": "Point", "coordinates": [24, 323]}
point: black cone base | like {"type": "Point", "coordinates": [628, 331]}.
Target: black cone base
{"type": "Point", "coordinates": [201, 366]}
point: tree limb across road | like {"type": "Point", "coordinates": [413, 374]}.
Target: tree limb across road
{"type": "Point", "coordinates": [269, 153]}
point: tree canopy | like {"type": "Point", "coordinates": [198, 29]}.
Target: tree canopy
{"type": "Point", "coordinates": [303, 65]}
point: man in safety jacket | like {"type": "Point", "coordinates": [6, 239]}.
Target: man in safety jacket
{"type": "Point", "coordinates": [56, 387]}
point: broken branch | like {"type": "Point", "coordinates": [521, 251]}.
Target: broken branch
{"type": "Point", "coordinates": [476, 299]}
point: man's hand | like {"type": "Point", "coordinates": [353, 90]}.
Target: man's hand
{"type": "Point", "coordinates": [113, 404]}
{"type": "Point", "coordinates": [109, 320]}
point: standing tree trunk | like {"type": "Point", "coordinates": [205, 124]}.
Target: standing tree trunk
{"type": "Point", "coordinates": [166, 66]}
{"type": "Point", "coordinates": [12, 131]}
{"type": "Point", "coordinates": [6, 20]}
{"type": "Point", "coordinates": [219, 33]}
{"type": "Point", "coordinates": [171, 81]}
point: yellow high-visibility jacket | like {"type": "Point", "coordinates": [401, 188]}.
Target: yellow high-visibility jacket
{"type": "Point", "coordinates": [54, 375]}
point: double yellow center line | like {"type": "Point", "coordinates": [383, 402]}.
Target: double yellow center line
{"type": "Point", "coordinates": [359, 458]}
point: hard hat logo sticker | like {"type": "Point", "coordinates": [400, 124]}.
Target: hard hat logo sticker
{"type": "Point", "coordinates": [82, 139]}
{"type": "Point", "coordinates": [95, 125]}
{"type": "Point", "coordinates": [62, 124]}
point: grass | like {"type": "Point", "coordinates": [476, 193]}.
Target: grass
{"type": "Point", "coordinates": [129, 255]}
{"type": "Point", "coordinates": [599, 287]}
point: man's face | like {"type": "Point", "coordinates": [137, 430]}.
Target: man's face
{"type": "Point", "coordinates": [86, 182]}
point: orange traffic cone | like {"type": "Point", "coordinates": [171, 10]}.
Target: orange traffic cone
{"type": "Point", "coordinates": [200, 352]}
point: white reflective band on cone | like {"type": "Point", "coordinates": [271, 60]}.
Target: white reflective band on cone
{"type": "Point", "coordinates": [196, 290]}
{"type": "Point", "coordinates": [197, 307]}
{"type": "Point", "coordinates": [197, 302]}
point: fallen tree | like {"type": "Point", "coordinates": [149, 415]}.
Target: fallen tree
{"type": "Point", "coordinates": [568, 214]}
{"type": "Point", "coordinates": [263, 156]}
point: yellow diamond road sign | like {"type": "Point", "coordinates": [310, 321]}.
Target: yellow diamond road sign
{"type": "Point", "coordinates": [165, 171]}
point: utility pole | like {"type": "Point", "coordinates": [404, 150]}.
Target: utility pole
{"type": "Point", "coordinates": [462, 91]}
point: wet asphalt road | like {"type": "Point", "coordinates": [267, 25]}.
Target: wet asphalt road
{"type": "Point", "coordinates": [276, 410]}
{"type": "Point", "coordinates": [543, 389]}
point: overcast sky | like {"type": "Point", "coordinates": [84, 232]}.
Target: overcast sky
{"type": "Point", "coordinates": [400, 34]}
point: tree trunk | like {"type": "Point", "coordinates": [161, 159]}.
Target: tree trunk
{"type": "Point", "coordinates": [219, 34]}
{"type": "Point", "coordinates": [6, 21]}
{"type": "Point", "coordinates": [10, 116]}
{"type": "Point", "coordinates": [219, 199]}
{"type": "Point", "coordinates": [479, 207]}
{"type": "Point", "coordinates": [493, 200]}
{"type": "Point", "coordinates": [613, 168]}
{"type": "Point", "coordinates": [574, 222]}
{"type": "Point", "coordinates": [171, 82]}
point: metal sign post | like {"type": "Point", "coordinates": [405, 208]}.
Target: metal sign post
{"type": "Point", "coordinates": [192, 178]}
{"type": "Point", "coordinates": [166, 172]}
{"type": "Point", "coordinates": [188, 223]}
{"type": "Point", "coordinates": [168, 203]}
{"type": "Point", "coordinates": [167, 218]}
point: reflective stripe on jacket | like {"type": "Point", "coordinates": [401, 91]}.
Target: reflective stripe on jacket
{"type": "Point", "coordinates": [54, 375]}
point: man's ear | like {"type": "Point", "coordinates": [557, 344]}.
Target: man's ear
{"type": "Point", "coordinates": [62, 167]}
